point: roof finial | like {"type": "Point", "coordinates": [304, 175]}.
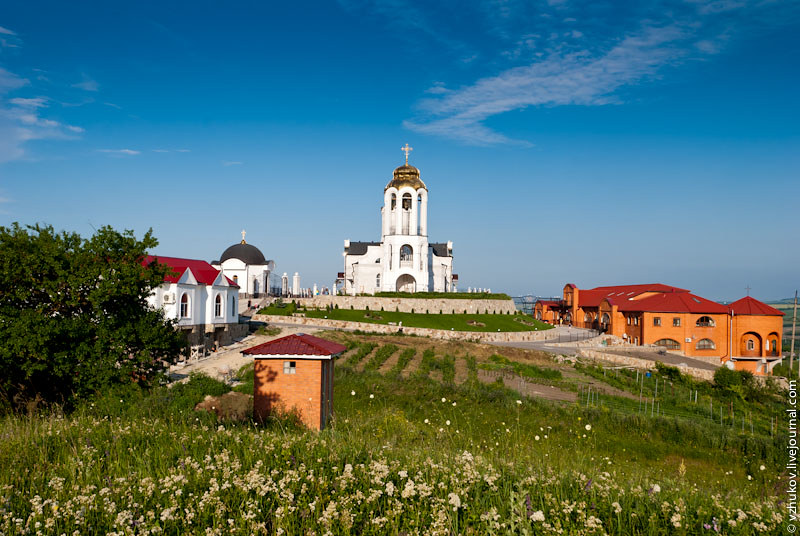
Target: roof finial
{"type": "Point", "coordinates": [748, 289]}
{"type": "Point", "coordinates": [407, 149]}
{"type": "Point", "coordinates": [243, 233]}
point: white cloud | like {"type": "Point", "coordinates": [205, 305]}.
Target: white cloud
{"type": "Point", "coordinates": [6, 31]}
{"type": "Point", "coordinates": [183, 150]}
{"type": "Point", "coordinates": [87, 84]}
{"type": "Point", "coordinates": [35, 102]}
{"type": "Point", "coordinates": [559, 79]}
{"type": "Point", "coordinates": [119, 152]}
{"type": "Point", "coordinates": [160, 150]}
{"type": "Point", "coordinates": [111, 104]}
{"type": "Point", "coordinates": [231, 163]}
{"type": "Point", "coordinates": [73, 128]}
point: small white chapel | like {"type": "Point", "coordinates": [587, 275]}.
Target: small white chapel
{"type": "Point", "coordinates": [247, 267]}
{"type": "Point", "coordinates": [403, 260]}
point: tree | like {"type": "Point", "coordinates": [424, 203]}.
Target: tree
{"type": "Point", "coordinates": [73, 314]}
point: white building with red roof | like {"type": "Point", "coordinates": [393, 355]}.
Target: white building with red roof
{"type": "Point", "coordinates": [201, 299]}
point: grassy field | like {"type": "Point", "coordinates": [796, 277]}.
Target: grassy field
{"type": "Point", "coordinates": [457, 322]}
{"type": "Point", "coordinates": [416, 447]}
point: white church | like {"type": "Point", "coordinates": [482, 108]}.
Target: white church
{"type": "Point", "coordinates": [404, 260]}
{"type": "Point", "coordinates": [247, 267]}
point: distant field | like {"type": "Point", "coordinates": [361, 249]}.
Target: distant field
{"type": "Point", "coordinates": [442, 295]}
{"type": "Point", "coordinates": [457, 322]}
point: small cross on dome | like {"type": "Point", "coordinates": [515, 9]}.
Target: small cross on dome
{"type": "Point", "coordinates": [243, 233]}
{"type": "Point", "coordinates": [407, 149]}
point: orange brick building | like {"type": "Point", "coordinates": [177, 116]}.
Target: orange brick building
{"type": "Point", "coordinates": [295, 373]}
{"type": "Point", "coordinates": [746, 332]}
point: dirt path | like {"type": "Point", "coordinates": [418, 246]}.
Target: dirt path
{"type": "Point", "coordinates": [364, 360]}
{"type": "Point", "coordinates": [414, 364]}
{"type": "Point", "coordinates": [462, 372]}
{"type": "Point", "coordinates": [596, 384]}
{"type": "Point", "coordinates": [391, 362]}
{"type": "Point", "coordinates": [517, 383]}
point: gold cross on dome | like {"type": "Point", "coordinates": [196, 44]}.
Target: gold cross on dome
{"type": "Point", "coordinates": [243, 233]}
{"type": "Point", "coordinates": [407, 149]}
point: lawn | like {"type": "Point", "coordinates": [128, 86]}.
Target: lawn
{"type": "Point", "coordinates": [457, 322]}
{"type": "Point", "coordinates": [406, 454]}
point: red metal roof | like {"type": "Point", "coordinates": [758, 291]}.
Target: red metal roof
{"type": "Point", "coordinates": [671, 302]}
{"type": "Point", "coordinates": [751, 306]}
{"type": "Point", "coordinates": [297, 344]}
{"type": "Point", "coordinates": [202, 271]}
{"type": "Point", "coordinates": [593, 297]}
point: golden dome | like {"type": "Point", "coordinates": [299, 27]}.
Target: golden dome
{"type": "Point", "coordinates": [406, 176]}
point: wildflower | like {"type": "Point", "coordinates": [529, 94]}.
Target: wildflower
{"type": "Point", "coordinates": [749, 477]}
{"type": "Point", "coordinates": [455, 500]}
{"type": "Point", "coordinates": [761, 468]}
{"type": "Point", "coordinates": [519, 402]}
{"type": "Point", "coordinates": [588, 427]}
{"type": "Point", "coordinates": [655, 489]}
{"type": "Point", "coordinates": [444, 399]}
{"type": "Point", "coordinates": [353, 393]}
{"type": "Point", "coordinates": [427, 421]}
{"type": "Point", "coordinates": [372, 396]}
{"type": "Point", "coordinates": [538, 515]}
{"type": "Point", "coordinates": [536, 438]}
{"type": "Point", "coordinates": [617, 507]}
{"type": "Point", "coordinates": [454, 404]}
{"type": "Point", "coordinates": [447, 422]}
{"type": "Point", "coordinates": [676, 520]}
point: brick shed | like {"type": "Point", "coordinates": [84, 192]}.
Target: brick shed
{"type": "Point", "coordinates": [295, 372]}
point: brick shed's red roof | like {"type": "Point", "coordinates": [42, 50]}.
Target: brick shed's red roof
{"type": "Point", "coordinates": [298, 344]}
{"type": "Point", "coordinates": [751, 306]}
{"type": "Point", "coordinates": [202, 271]}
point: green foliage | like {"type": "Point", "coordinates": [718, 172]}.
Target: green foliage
{"type": "Point", "coordinates": [364, 349]}
{"type": "Point", "coordinates": [73, 314]}
{"type": "Point", "coordinates": [269, 331]}
{"type": "Point", "coordinates": [383, 353]}
{"type": "Point", "coordinates": [402, 362]}
{"type": "Point", "coordinates": [279, 310]}
{"type": "Point", "coordinates": [498, 362]}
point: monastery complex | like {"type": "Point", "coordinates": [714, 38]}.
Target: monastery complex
{"type": "Point", "coordinates": [746, 333]}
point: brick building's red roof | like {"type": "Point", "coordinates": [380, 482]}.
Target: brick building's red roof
{"type": "Point", "coordinates": [671, 302]}
{"type": "Point", "coordinates": [592, 297]}
{"type": "Point", "coordinates": [298, 344]}
{"type": "Point", "coordinates": [202, 271]}
{"type": "Point", "coordinates": [751, 306]}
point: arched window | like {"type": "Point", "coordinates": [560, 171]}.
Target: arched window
{"type": "Point", "coordinates": [669, 344]}
{"type": "Point", "coordinates": [587, 317]}
{"type": "Point", "coordinates": [394, 201]}
{"type": "Point", "coordinates": [406, 255]}
{"type": "Point", "coordinates": [218, 306]}
{"type": "Point", "coordinates": [236, 279]}
{"type": "Point", "coordinates": [538, 315]}
{"type": "Point", "coordinates": [184, 306]}
{"type": "Point", "coordinates": [233, 305]}
{"type": "Point", "coordinates": [606, 319]}
{"type": "Point", "coordinates": [751, 344]}
{"type": "Point", "coordinates": [705, 322]}
{"type": "Point", "coordinates": [406, 201]}
{"type": "Point", "coordinates": [378, 281]}
{"type": "Point", "coordinates": [568, 317]}
{"type": "Point", "coordinates": [706, 344]}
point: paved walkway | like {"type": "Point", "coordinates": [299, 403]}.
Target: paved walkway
{"type": "Point", "coordinates": [229, 358]}
{"type": "Point", "coordinates": [641, 353]}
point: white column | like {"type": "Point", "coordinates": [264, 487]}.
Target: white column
{"type": "Point", "coordinates": [387, 213]}
{"type": "Point", "coordinates": [398, 207]}
{"type": "Point", "coordinates": [412, 228]}
{"type": "Point", "coordinates": [423, 213]}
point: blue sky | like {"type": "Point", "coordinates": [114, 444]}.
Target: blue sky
{"type": "Point", "coordinates": [562, 141]}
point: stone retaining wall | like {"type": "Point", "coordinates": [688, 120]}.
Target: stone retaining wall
{"type": "Point", "coordinates": [408, 305]}
{"type": "Point", "coordinates": [707, 375]}
{"type": "Point", "coordinates": [479, 336]}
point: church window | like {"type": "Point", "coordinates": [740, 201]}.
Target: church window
{"type": "Point", "coordinates": [706, 344]}
{"type": "Point", "coordinates": [218, 306]}
{"type": "Point", "coordinates": [629, 320]}
{"type": "Point", "coordinates": [606, 319]}
{"type": "Point", "coordinates": [394, 201]}
{"type": "Point", "coordinates": [657, 321]}
{"type": "Point", "coordinates": [705, 322]}
{"type": "Point", "coordinates": [406, 255]}
{"type": "Point", "coordinates": [233, 305]}
{"type": "Point", "coordinates": [676, 322]}
{"type": "Point", "coordinates": [378, 281]}
{"type": "Point", "coordinates": [406, 201]}
{"type": "Point", "coordinates": [635, 320]}
{"type": "Point", "coordinates": [669, 344]}
{"type": "Point", "coordinates": [184, 306]}
{"type": "Point", "coordinates": [751, 345]}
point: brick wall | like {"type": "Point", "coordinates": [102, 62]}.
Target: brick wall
{"type": "Point", "coordinates": [406, 305]}
{"type": "Point", "coordinates": [276, 391]}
